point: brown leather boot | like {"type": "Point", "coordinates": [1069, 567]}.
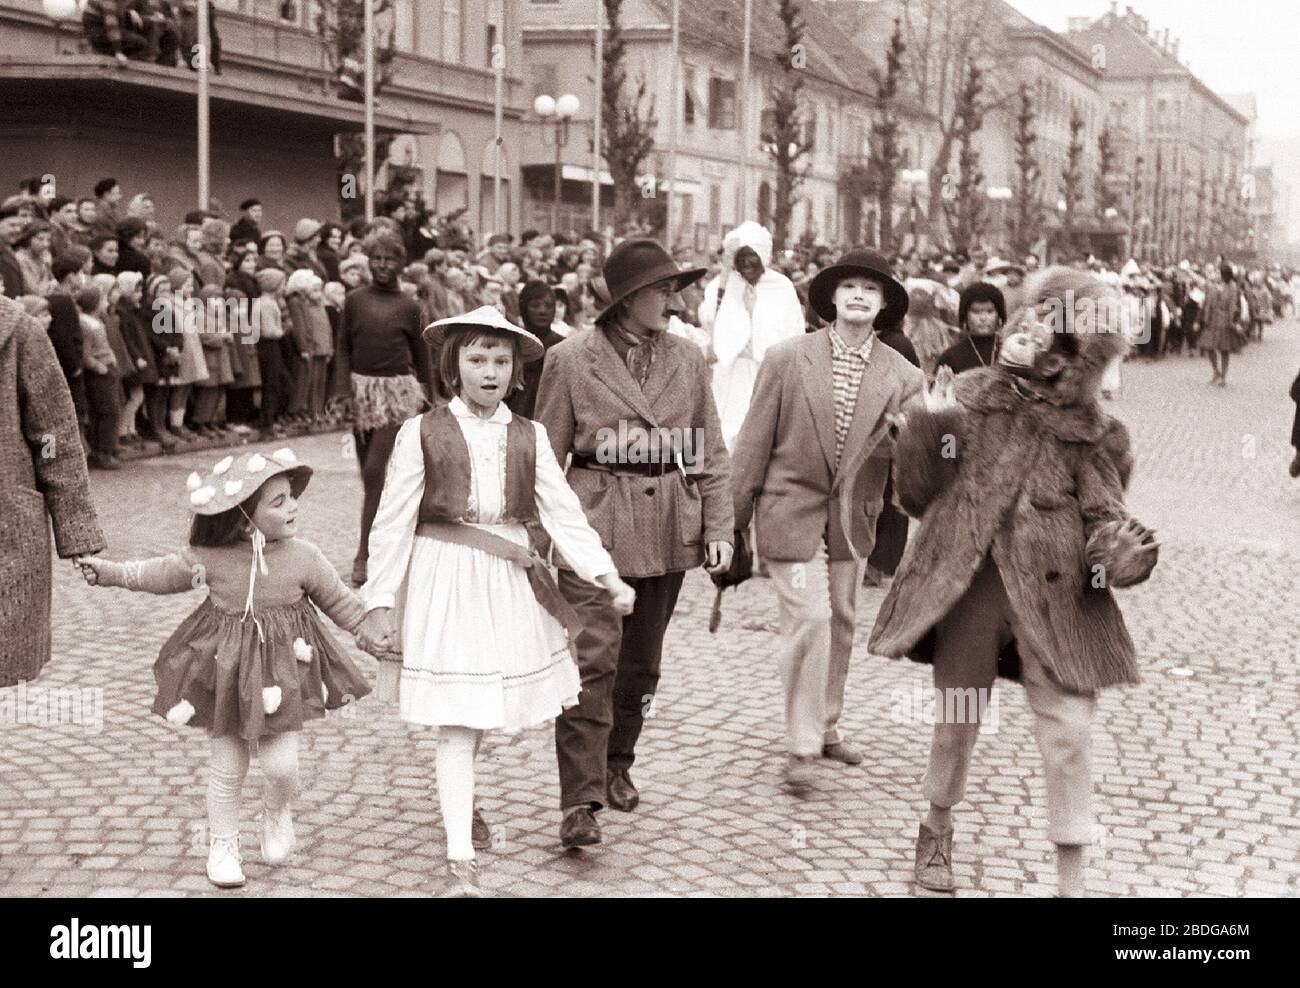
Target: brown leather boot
{"type": "Point", "coordinates": [934, 860]}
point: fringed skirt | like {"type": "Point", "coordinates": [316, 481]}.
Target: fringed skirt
{"type": "Point", "coordinates": [381, 401]}
{"type": "Point", "coordinates": [217, 672]}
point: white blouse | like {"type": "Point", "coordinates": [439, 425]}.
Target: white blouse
{"type": "Point", "coordinates": [393, 534]}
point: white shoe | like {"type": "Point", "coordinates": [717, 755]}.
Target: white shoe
{"type": "Point", "coordinates": [278, 838]}
{"type": "Point", "coordinates": [224, 863]}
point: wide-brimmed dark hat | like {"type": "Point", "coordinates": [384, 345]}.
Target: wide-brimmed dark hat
{"type": "Point", "coordinates": [634, 264]}
{"type": "Point", "coordinates": [861, 262]}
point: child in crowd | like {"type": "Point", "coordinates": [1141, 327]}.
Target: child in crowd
{"type": "Point", "coordinates": [313, 338]}
{"type": "Point", "coordinates": [483, 628]}
{"type": "Point", "coordinates": [253, 661]}
{"type": "Point", "coordinates": [103, 385]}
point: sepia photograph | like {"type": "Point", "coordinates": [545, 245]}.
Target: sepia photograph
{"type": "Point", "coordinates": [643, 449]}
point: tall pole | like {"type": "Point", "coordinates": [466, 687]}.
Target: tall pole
{"type": "Point", "coordinates": [744, 116]}
{"type": "Point", "coordinates": [672, 126]}
{"type": "Point", "coordinates": [370, 109]}
{"type": "Point", "coordinates": [597, 119]}
{"type": "Point", "coordinates": [204, 150]}
{"type": "Point", "coordinates": [499, 65]}
{"type": "Point", "coordinates": [556, 188]}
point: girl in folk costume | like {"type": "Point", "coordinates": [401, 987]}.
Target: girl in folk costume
{"type": "Point", "coordinates": [253, 661]}
{"type": "Point", "coordinates": [748, 308]}
{"type": "Point", "coordinates": [482, 624]}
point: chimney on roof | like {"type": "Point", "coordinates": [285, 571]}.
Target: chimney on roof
{"type": "Point", "coordinates": [1176, 40]}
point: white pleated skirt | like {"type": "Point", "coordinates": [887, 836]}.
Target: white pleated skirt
{"type": "Point", "coordinates": [478, 650]}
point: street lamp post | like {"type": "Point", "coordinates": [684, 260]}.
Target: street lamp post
{"type": "Point", "coordinates": [369, 43]}
{"type": "Point", "coordinates": [562, 110]}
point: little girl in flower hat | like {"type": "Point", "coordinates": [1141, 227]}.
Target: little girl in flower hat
{"type": "Point", "coordinates": [253, 661]}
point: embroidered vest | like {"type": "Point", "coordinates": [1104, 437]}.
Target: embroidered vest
{"type": "Point", "coordinates": [448, 474]}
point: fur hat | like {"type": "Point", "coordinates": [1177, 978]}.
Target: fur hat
{"type": "Point", "coordinates": [981, 291]}
{"type": "Point", "coordinates": [1086, 316]}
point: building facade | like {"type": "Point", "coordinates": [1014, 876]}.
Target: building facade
{"type": "Point", "coordinates": [275, 112]}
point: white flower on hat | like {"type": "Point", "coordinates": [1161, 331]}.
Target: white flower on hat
{"type": "Point", "coordinates": [233, 487]}
{"type": "Point", "coordinates": [256, 463]}
{"type": "Point", "coordinates": [301, 650]}
{"type": "Point", "coordinates": [271, 697]}
{"type": "Point", "coordinates": [223, 465]}
{"type": "Point", "coordinates": [193, 482]}
{"type": "Point", "coordinates": [181, 714]}
{"type": "Point", "coordinates": [202, 496]}
{"type": "Point", "coordinates": [285, 457]}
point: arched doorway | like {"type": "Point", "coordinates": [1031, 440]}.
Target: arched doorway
{"type": "Point", "coordinates": [452, 177]}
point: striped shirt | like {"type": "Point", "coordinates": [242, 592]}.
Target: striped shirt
{"type": "Point", "coordinates": [847, 368]}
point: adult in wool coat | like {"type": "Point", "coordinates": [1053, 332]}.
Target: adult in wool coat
{"type": "Point", "coordinates": [1018, 479]}
{"type": "Point", "coordinates": [42, 479]}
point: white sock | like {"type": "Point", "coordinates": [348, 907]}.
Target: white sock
{"type": "Point", "coordinates": [455, 760]}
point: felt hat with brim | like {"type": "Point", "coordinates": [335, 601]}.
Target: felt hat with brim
{"type": "Point", "coordinates": [636, 264]}
{"type": "Point", "coordinates": [234, 479]}
{"type": "Point", "coordinates": [996, 265]}
{"type": "Point", "coordinates": [485, 318]}
{"type": "Point", "coordinates": [859, 263]}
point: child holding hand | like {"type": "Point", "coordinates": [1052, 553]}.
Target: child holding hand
{"type": "Point", "coordinates": [253, 661]}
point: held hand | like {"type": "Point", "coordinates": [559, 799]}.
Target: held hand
{"type": "Point", "coordinates": [718, 557]}
{"type": "Point", "coordinates": [622, 596]}
{"type": "Point", "coordinates": [375, 633]}
{"type": "Point", "coordinates": [942, 393]}
{"type": "Point", "coordinates": [121, 59]}
{"type": "Point", "coordinates": [89, 567]}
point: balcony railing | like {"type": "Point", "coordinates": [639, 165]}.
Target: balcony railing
{"type": "Point", "coordinates": [263, 57]}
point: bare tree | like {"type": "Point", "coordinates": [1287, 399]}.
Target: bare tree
{"type": "Point", "coordinates": [945, 37]}
{"type": "Point", "coordinates": [1104, 196]}
{"type": "Point", "coordinates": [1072, 181]}
{"type": "Point", "coordinates": [964, 204]}
{"type": "Point", "coordinates": [1027, 224]}
{"type": "Point", "coordinates": [627, 137]}
{"type": "Point", "coordinates": [885, 151]}
{"type": "Point", "coordinates": [786, 138]}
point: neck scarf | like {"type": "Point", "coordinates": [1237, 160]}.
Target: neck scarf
{"type": "Point", "coordinates": [640, 351]}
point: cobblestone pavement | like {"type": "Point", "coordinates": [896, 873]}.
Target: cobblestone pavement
{"type": "Point", "coordinates": [1196, 769]}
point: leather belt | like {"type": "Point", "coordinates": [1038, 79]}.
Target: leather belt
{"type": "Point", "coordinates": [659, 469]}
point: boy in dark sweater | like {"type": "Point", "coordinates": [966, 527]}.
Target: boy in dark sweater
{"type": "Point", "coordinates": [391, 372]}
{"type": "Point", "coordinates": [981, 312]}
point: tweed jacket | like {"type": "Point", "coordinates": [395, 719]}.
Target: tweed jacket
{"type": "Point", "coordinates": [42, 475]}
{"type": "Point", "coordinates": [785, 454]}
{"type": "Point", "coordinates": [1038, 487]}
{"type": "Point", "coordinates": [590, 404]}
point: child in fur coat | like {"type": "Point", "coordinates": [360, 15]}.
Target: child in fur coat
{"type": "Point", "coordinates": [1018, 479]}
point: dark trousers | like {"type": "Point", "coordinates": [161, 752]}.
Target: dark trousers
{"type": "Point", "coordinates": [104, 396]}
{"type": "Point", "coordinates": [155, 407]}
{"type": "Point", "coordinates": [374, 447]}
{"type": "Point", "coordinates": [275, 382]}
{"type": "Point", "coordinates": [618, 658]}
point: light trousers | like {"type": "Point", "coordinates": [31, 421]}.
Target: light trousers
{"type": "Point", "coordinates": [969, 639]}
{"type": "Point", "coordinates": [817, 602]}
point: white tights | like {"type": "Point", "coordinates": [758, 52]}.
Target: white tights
{"type": "Point", "coordinates": [457, 747]}
{"type": "Point", "coordinates": [228, 766]}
